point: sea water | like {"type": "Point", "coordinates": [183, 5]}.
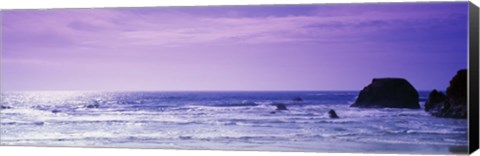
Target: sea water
{"type": "Point", "coordinates": [230, 120]}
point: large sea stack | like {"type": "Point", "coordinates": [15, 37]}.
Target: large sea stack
{"type": "Point", "coordinates": [452, 105]}
{"type": "Point", "coordinates": [388, 93]}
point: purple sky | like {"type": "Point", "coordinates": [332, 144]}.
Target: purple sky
{"type": "Point", "coordinates": [296, 47]}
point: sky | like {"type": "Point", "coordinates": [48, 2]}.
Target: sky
{"type": "Point", "coordinates": [263, 47]}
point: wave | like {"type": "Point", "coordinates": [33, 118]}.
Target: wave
{"type": "Point", "coordinates": [228, 120]}
{"type": "Point", "coordinates": [437, 131]}
{"type": "Point", "coordinates": [405, 142]}
{"type": "Point", "coordinates": [38, 123]}
{"type": "Point", "coordinates": [236, 104]}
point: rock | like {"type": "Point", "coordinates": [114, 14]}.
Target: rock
{"type": "Point", "coordinates": [185, 137]}
{"type": "Point", "coordinates": [297, 99]}
{"type": "Point", "coordinates": [39, 123]}
{"type": "Point", "coordinates": [454, 104]}
{"type": "Point", "coordinates": [281, 106]}
{"type": "Point", "coordinates": [388, 93]}
{"type": "Point", "coordinates": [94, 105]}
{"type": "Point", "coordinates": [332, 114]}
{"type": "Point", "coordinates": [457, 91]}
{"type": "Point", "coordinates": [5, 107]}
{"type": "Point", "coordinates": [434, 98]}
{"type": "Point", "coordinates": [56, 111]}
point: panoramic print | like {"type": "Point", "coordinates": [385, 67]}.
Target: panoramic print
{"type": "Point", "coordinates": [373, 77]}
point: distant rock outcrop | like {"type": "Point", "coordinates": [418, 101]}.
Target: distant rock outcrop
{"type": "Point", "coordinates": [297, 99]}
{"type": "Point", "coordinates": [388, 93]}
{"type": "Point", "coordinates": [454, 104]}
{"type": "Point", "coordinates": [332, 114]}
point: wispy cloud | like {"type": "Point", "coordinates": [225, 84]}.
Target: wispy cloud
{"type": "Point", "coordinates": [299, 47]}
{"type": "Point", "coordinates": [120, 28]}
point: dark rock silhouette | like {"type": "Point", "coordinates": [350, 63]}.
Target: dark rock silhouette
{"type": "Point", "coordinates": [332, 114]}
{"type": "Point", "coordinates": [39, 123]}
{"type": "Point", "coordinates": [95, 104]}
{"type": "Point", "coordinates": [185, 137]}
{"type": "Point", "coordinates": [56, 111]}
{"type": "Point", "coordinates": [281, 106]}
{"type": "Point", "coordinates": [434, 98]}
{"type": "Point", "coordinates": [5, 107]}
{"type": "Point", "coordinates": [457, 91]}
{"type": "Point", "coordinates": [388, 93]}
{"type": "Point", "coordinates": [298, 99]}
{"type": "Point", "coordinates": [454, 104]}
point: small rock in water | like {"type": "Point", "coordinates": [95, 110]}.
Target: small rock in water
{"type": "Point", "coordinates": [281, 106]}
{"type": "Point", "coordinates": [332, 114]}
{"type": "Point", "coordinates": [5, 107]}
{"type": "Point", "coordinates": [39, 123]}
{"type": "Point", "coordinates": [185, 137]}
{"type": "Point", "coordinates": [94, 105]}
{"type": "Point", "coordinates": [56, 111]}
{"type": "Point", "coordinates": [297, 99]}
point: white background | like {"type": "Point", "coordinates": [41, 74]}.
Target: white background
{"type": "Point", "coordinates": [53, 151]}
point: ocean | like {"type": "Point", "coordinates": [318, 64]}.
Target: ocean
{"type": "Point", "coordinates": [230, 120]}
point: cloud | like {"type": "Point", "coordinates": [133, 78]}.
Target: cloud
{"type": "Point", "coordinates": [132, 47]}
{"type": "Point", "coordinates": [115, 28]}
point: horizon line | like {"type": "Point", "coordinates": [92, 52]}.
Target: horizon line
{"type": "Point", "coordinates": [295, 90]}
